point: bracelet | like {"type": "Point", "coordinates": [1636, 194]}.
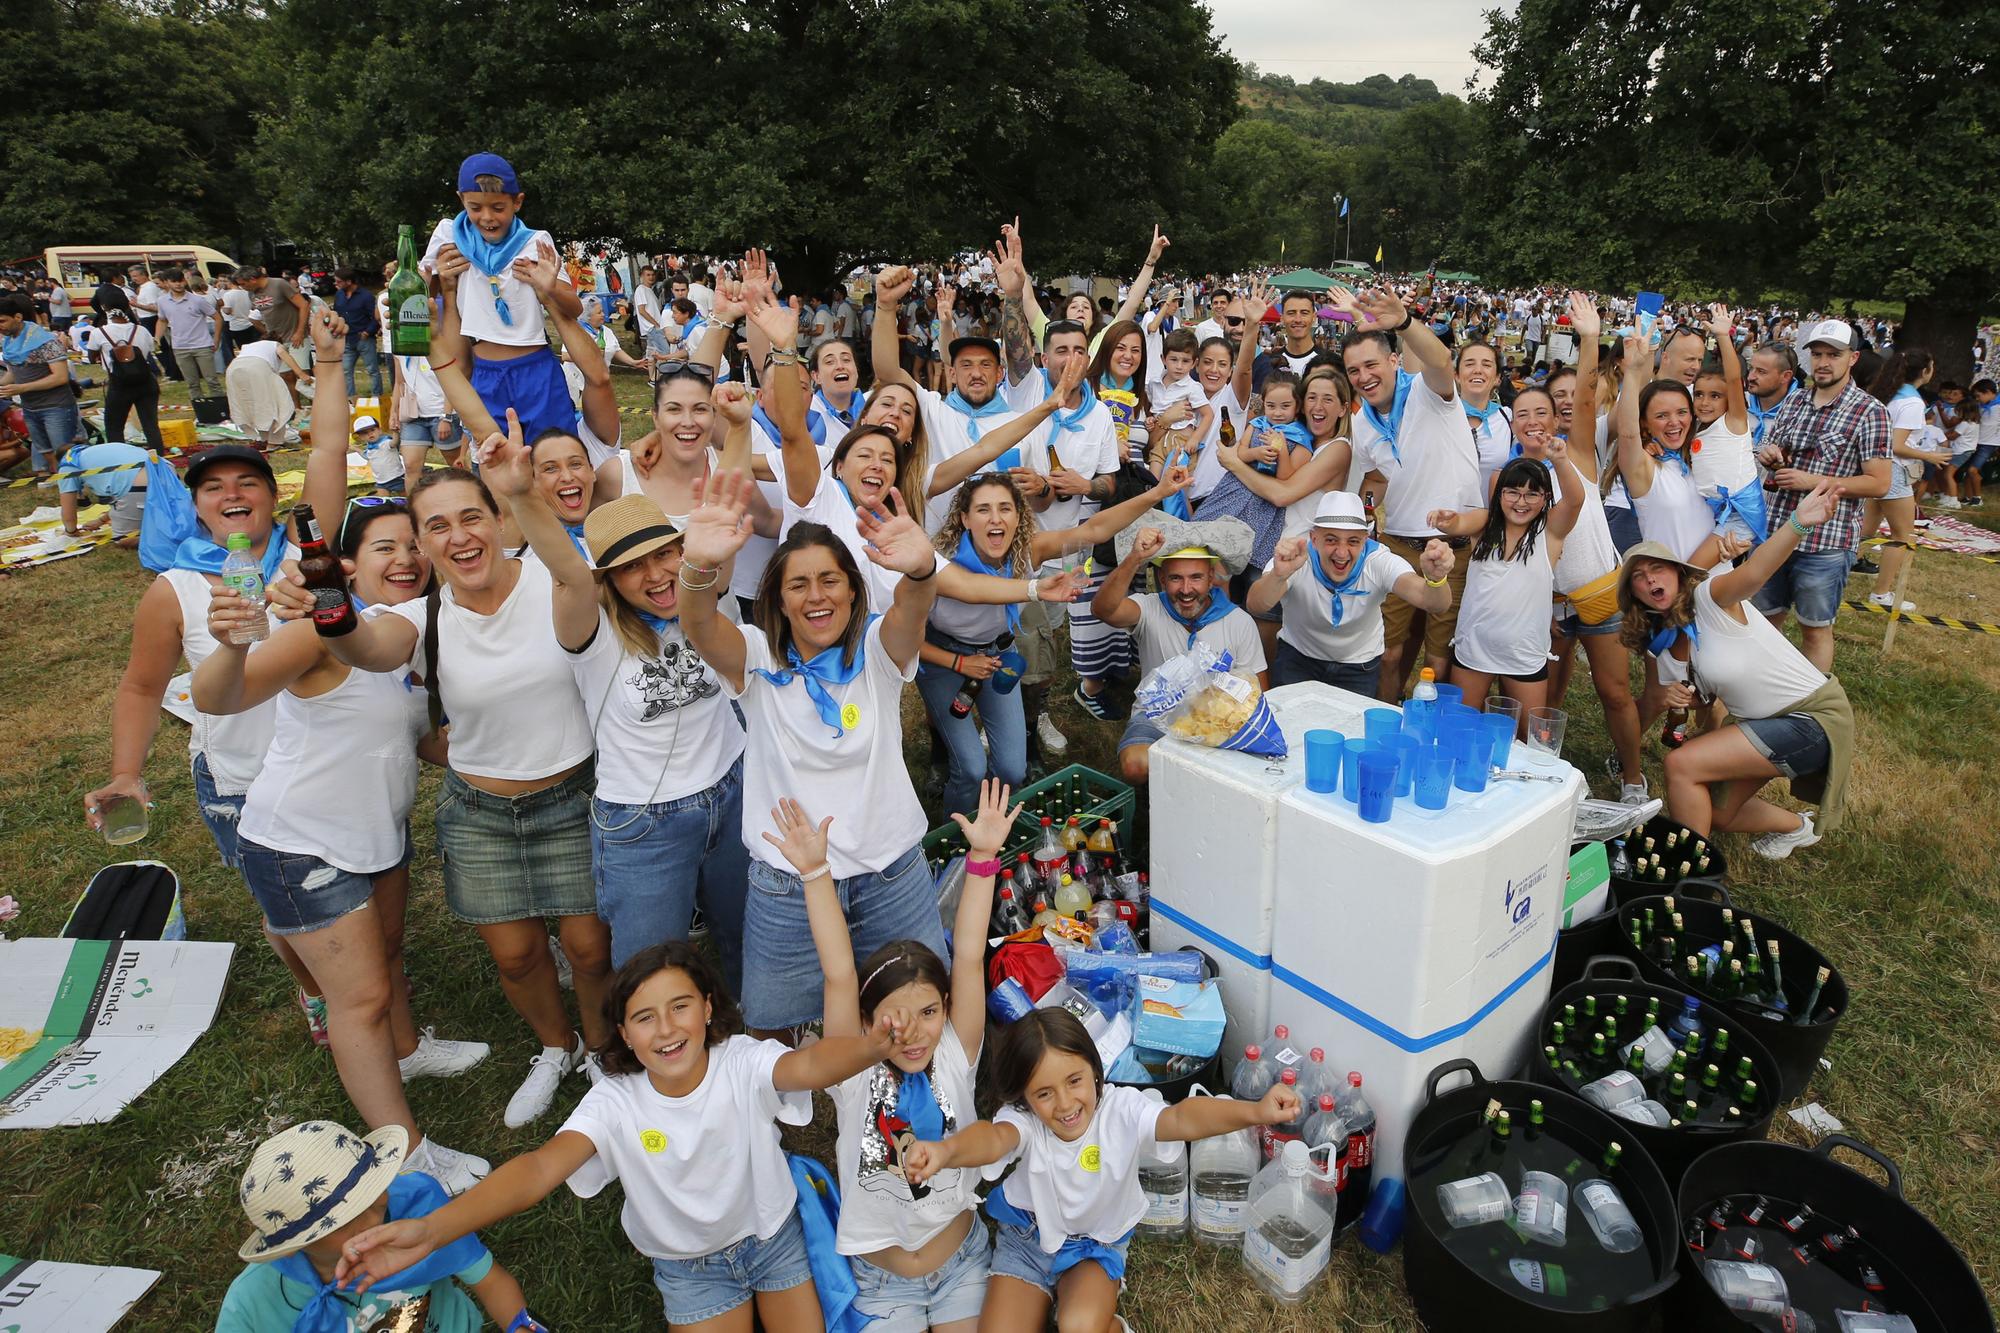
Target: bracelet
{"type": "Point", "coordinates": [444, 365]}
{"type": "Point", "coordinates": [697, 587]}
{"type": "Point", "coordinates": [990, 866]}
{"type": "Point", "coordinates": [929, 574]}
{"type": "Point", "coordinates": [1437, 583]}
{"type": "Point", "coordinates": [1034, 588]}
{"type": "Point", "coordinates": [784, 359]}
{"type": "Point", "coordinates": [957, 664]}
{"type": "Point", "coordinates": [815, 873]}
{"type": "Point", "coordinates": [527, 1322]}
{"type": "Point", "coordinates": [1409, 318]}
{"type": "Point", "coordinates": [1798, 527]}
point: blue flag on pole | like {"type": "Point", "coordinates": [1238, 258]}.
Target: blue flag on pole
{"type": "Point", "coordinates": [1343, 205]}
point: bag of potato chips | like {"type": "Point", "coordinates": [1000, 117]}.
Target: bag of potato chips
{"type": "Point", "coordinates": [1197, 699]}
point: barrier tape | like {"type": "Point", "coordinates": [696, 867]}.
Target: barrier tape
{"type": "Point", "coordinates": [1911, 617]}
{"type": "Point", "coordinates": [83, 472]}
{"type": "Point", "coordinates": [1919, 546]}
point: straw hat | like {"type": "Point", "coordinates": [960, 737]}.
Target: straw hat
{"type": "Point", "coordinates": [1226, 539]}
{"type": "Point", "coordinates": [626, 529]}
{"type": "Point", "coordinates": [1650, 551]}
{"type": "Point", "coordinates": [307, 1182]}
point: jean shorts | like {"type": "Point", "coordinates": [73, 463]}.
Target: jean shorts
{"type": "Point", "coordinates": [219, 812]}
{"type": "Point", "coordinates": [1573, 626]}
{"type": "Point", "coordinates": [1017, 1255]}
{"type": "Point", "coordinates": [441, 431]}
{"type": "Point", "coordinates": [297, 892]}
{"type": "Point", "coordinates": [512, 858]}
{"type": "Point", "coordinates": [1809, 583]}
{"type": "Point", "coordinates": [715, 1284]}
{"type": "Point", "coordinates": [1141, 730]}
{"type": "Point", "coordinates": [955, 1291]}
{"type": "Point", "coordinates": [1899, 481]}
{"type": "Point", "coordinates": [1795, 744]}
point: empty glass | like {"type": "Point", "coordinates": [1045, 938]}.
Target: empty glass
{"type": "Point", "coordinates": [1501, 704]}
{"type": "Point", "coordinates": [1323, 760]}
{"type": "Point", "coordinates": [1546, 727]}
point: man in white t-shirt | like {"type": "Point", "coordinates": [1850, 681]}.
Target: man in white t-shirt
{"type": "Point", "coordinates": [1218, 312]}
{"type": "Point", "coordinates": [1410, 433]}
{"type": "Point", "coordinates": [701, 293]}
{"type": "Point", "coordinates": [1191, 606]}
{"type": "Point", "coordinates": [646, 302]}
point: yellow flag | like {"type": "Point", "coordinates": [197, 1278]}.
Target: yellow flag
{"type": "Point", "coordinates": [1378, 254]}
{"type": "Point", "coordinates": [1281, 245]}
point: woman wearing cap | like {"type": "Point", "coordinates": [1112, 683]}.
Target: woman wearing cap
{"type": "Point", "coordinates": [1790, 719]}
{"type": "Point", "coordinates": [666, 818]}
{"type": "Point", "coordinates": [820, 679]}
{"type": "Point", "coordinates": [1332, 630]}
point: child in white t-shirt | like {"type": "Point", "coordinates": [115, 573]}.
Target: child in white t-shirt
{"type": "Point", "coordinates": [918, 1250]}
{"type": "Point", "coordinates": [385, 460]}
{"type": "Point", "coordinates": [486, 252]}
{"type": "Point", "coordinates": [1179, 404]}
{"type": "Point", "coordinates": [686, 1119]}
{"type": "Point", "coordinates": [1067, 1212]}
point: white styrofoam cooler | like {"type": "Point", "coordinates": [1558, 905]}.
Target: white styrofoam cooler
{"type": "Point", "coordinates": [1215, 847]}
{"type": "Point", "coordinates": [1399, 946]}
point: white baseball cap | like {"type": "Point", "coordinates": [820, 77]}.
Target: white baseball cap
{"type": "Point", "coordinates": [1833, 331]}
{"type": "Point", "coordinates": [1340, 509]}
{"type": "Point", "coordinates": [362, 423]}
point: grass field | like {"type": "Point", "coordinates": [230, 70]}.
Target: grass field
{"type": "Point", "coordinates": [1903, 897]}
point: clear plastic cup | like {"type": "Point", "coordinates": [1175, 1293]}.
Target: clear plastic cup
{"type": "Point", "coordinates": [1546, 727]}
{"type": "Point", "coordinates": [1378, 785]}
{"type": "Point", "coordinates": [1382, 724]}
{"type": "Point", "coordinates": [1501, 704]}
{"type": "Point", "coordinates": [1500, 733]}
{"type": "Point", "coordinates": [1433, 780]}
{"type": "Point", "coordinates": [1474, 1201]}
{"type": "Point", "coordinates": [124, 820]}
{"type": "Point", "coordinates": [1323, 758]}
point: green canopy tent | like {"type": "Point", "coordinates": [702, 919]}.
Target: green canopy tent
{"type": "Point", "coordinates": [1351, 266]}
{"type": "Point", "coordinates": [1459, 277]}
{"type": "Point", "coordinates": [1303, 280]}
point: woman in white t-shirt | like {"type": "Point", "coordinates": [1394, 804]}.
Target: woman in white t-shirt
{"type": "Point", "coordinates": [686, 1120]}
{"type": "Point", "coordinates": [1656, 427]}
{"type": "Point", "coordinates": [1790, 720]}
{"type": "Point", "coordinates": [820, 679]}
{"type": "Point", "coordinates": [513, 812]}
{"type": "Point", "coordinates": [1899, 384]}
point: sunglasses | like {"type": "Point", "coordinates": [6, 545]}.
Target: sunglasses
{"type": "Point", "coordinates": [367, 504]}
{"type": "Point", "coordinates": [1233, 321]}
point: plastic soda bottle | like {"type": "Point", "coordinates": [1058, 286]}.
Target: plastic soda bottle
{"type": "Point", "coordinates": [1360, 1118]}
{"type": "Point", "coordinates": [1051, 859]}
{"type": "Point", "coordinates": [1072, 898]}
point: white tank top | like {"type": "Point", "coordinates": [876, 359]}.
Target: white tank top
{"type": "Point", "coordinates": [1503, 619]}
{"type": "Point", "coordinates": [629, 476]}
{"type": "Point", "coordinates": [1672, 511]}
{"type": "Point", "coordinates": [1588, 552]}
{"type": "Point", "coordinates": [1724, 458]}
{"type": "Point", "coordinates": [341, 774]}
{"type": "Point", "coordinates": [235, 742]}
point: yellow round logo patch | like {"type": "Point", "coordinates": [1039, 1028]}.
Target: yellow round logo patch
{"type": "Point", "coordinates": [850, 716]}
{"type": "Point", "coordinates": [653, 1141]}
{"type": "Point", "coordinates": [1091, 1158]}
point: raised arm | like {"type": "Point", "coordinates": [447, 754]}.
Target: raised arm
{"type": "Point", "coordinates": [1635, 465]}
{"type": "Point", "coordinates": [1420, 345]}
{"type": "Point", "coordinates": [831, 1060]}
{"type": "Point", "coordinates": [451, 352]}
{"type": "Point", "coordinates": [1252, 309]}
{"type": "Point", "coordinates": [1287, 559]}
{"type": "Point", "coordinates": [1589, 326]}
{"type": "Point", "coordinates": [1458, 522]}
{"type": "Point", "coordinates": [509, 468]}
{"type": "Point", "coordinates": [1135, 300]}
{"type": "Point", "coordinates": [714, 533]}
{"type": "Point", "coordinates": [1108, 523]}
{"type": "Point", "coordinates": [895, 541]}
{"type": "Point", "coordinates": [326, 463]}
{"type": "Point", "coordinates": [780, 323]}
{"type": "Point", "coordinates": [1113, 604]}
{"type": "Point", "coordinates": [600, 403]}
{"type": "Point", "coordinates": [891, 286]}
{"type": "Point", "coordinates": [1736, 410]}
{"type": "Point", "coordinates": [804, 846]}
{"type": "Point", "coordinates": [985, 834]}
{"type": "Point", "coordinates": [1562, 517]}
{"type": "Point", "coordinates": [232, 679]}
{"type": "Point", "coordinates": [1742, 582]}
{"type": "Point", "coordinates": [1205, 1117]}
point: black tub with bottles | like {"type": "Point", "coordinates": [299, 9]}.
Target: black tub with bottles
{"type": "Point", "coordinates": [1642, 870]}
{"type": "Point", "coordinates": [1491, 1277]}
{"type": "Point", "coordinates": [1601, 934]}
{"type": "Point", "coordinates": [1807, 1238]}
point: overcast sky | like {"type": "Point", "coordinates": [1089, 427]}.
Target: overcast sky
{"type": "Point", "coordinates": [1345, 41]}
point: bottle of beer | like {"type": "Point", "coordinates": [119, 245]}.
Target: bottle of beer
{"type": "Point", "coordinates": [321, 574]}
{"type": "Point", "coordinates": [409, 301]}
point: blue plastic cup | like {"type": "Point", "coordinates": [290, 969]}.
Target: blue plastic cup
{"type": "Point", "coordinates": [1350, 778]}
{"type": "Point", "coordinates": [1420, 718]}
{"type": "Point", "coordinates": [1383, 724]}
{"type": "Point", "coordinates": [1433, 780]}
{"type": "Point", "coordinates": [1500, 731]}
{"type": "Point", "coordinates": [1450, 694]}
{"type": "Point", "coordinates": [1408, 750]}
{"type": "Point", "coordinates": [1323, 749]}
{"type": "Point", "coordinates": [1382, 1220]}
{"type": "Point", "coordinates": [1378, 785]}
{"type": "Point", "coordinates": [1454, 720]}
{"type": "Point", "coordinates": [1470, 752]}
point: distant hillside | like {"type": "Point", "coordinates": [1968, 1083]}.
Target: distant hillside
{"type": "Point", "coordinates": [1334, 113]}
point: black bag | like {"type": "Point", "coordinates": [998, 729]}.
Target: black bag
{"type": "Point", "coordinates": [128, 369]}
{"type": "Point", "coordinates": [1129, 482]}
{"type": "Point", "coordinates": [133, 900]}
{"type": "Point", "coordinates": [211, 411]}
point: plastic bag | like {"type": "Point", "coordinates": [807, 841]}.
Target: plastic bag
{"type": "Point", "coordinates": [1111, 979]}
{"type": "Point", "coordinates": [1199, 700]}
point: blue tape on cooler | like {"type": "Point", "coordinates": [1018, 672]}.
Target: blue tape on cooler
{"type": "Point", "coordinates": [1393, 1035]}
{"type": "Point", "coordinates": [1222, 942]}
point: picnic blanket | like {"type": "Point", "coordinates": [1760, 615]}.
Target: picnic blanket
{"type": "Point", "coordinates": [1953, 534]}
{"type": "Point", "coordinates": [39, 539]}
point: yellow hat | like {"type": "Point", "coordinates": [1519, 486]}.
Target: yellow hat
{"type": "Point", "coordinates": [1186, 553]}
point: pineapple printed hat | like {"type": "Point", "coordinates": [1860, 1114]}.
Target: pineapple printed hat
{"type": "Point", "coordinates": [308, 1181]}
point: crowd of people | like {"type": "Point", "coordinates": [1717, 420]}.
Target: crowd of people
{"type": "Point", "coordinates": [662, 677]}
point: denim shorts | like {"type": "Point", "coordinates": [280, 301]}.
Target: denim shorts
{"type": "Point", "coordinates": [652, 862]}
{"type": "Point", "coordinates": [297, 892]}
{"type": "Point", "coordinates": [1899, 481]}
{"type": "Point", "coordinates": [220, 813]}
{"type": "Point", "coordinates": [425, 431]}
{"type": "Point", "coordinates": [955, 1291]}
{"type": "Point", "coordinates": [1795, 744]}
{"type": "Point", "coordinates": [511, 858]}
{"type": "Point", "coordinates": [1573, 626]}
{"type": "Point", "coordinates": [1017, 1255]}
{"type": "Point", "coordinates": [715, 1284]}
{"type": "Point", "coordinates": [782, 982]}
{"type": "Point", "coordinates": [1141, 730]}
{"type": "Point", "coordinates": [1809, 583]}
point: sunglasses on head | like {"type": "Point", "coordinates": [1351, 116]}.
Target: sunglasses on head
{"type": "Point", "coordinates": [367, 504]}
{"type": "Point", "coordinates": [699, 369]}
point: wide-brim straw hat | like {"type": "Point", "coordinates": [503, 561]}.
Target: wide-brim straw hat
{"type": "Point", "coordinates": [626, 529]}
{"type": "Point", "coordinates": [307, 1182]}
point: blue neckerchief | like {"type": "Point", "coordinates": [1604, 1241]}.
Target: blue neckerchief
{"type": "Point", "coordinates": [823, 670]}
{"type": "Point", "coordinates": [492, 258]}
{"type": "Point", "coordinates": [412, 1194]}
{"type": "Point", "coordinates": [1074, 1250]}
{"type": "Point", "coordinates": [1113, 382]}
{"type": "Point", "coordinates": [1387, 427]}
{"type": "Point", "coordinates": [657, 624]}
{"type": "Point", "coordinates": [1515, 451]}
{"type": "Point", "coordinates": [1679, 460]}
{"type": "Point", "coordinates": [1747, 503]}
{"type": "Point", "coordinates": [1066, 419]}
{"type": "Point", "coordinates": [1908, 391]}
{"type": "Point", "coordinates": [1346, 585]}
{"type": "Point", "coordinates": [967, 557]}
{"type": "Point", "coordinates": [31, 336]}
{"type": "Point", "coordinates": [815, 425]}
{"type": "Point", "coordinates": [575, 531]}
{"type": "Point", "coordinates": [1664, 640]}
{"type": "Point", "coordinates": [819, 1220]}
{"type": "Point", "coordinates": [1480, 414]}
{"type": "Point", "coordinates": [992, 407]}
{"type": "Point", "coordinates": [201, 554]}
{"type": "Point", "coordinates": [847, 418]}
{"type": "Point", "coordinates": [1291, 430]}
{"type": "Point", "coordinates": [916, 1105]}
{"type": "Point", "coordinates": [1760, 416]}
{"type": "Point", "coordinates": [1219, 606]}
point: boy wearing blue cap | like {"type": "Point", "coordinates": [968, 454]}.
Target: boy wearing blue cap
{"type": "Point", "coordinates": [497, 308]}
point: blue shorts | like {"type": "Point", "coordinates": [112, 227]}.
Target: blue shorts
{"type": "Point", "coordinates": [441, 431]}
{"type": "Point", "coordinates": [1809, 583]}
{"type": "Point", "coordinates": [533, 385]}
{"type": "Point", "coordinates": [955, 1291]}
{"type": "Point", "coordinates": [715, 1284]}
{"type": "Point", "coordinates": [219, 812]}
{"type": "Point", "coordinates": [297, 892]}
{"type": "Point", "coordinates": [1017, 1254]}
{"type": "Point", "coordinates": [1289, 666]}
{"type": "Point", "coordinates": [1573, 626]}
{"type": "Point", "coordinates": [1983, 455]}
{"type": "Point", "coordinates": [1795, 744]}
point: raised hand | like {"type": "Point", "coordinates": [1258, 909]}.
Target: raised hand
{"type": "Point", "coordinates": [732, 402]}
{"type": "Point", "coordinates": [892, 284]}
{"type": "Point", "coordinates": [504, 460]}
{"type": "Point", "coordinates": [1147, 544]}
{"type": "Point", "coordinates": [1061, 588]}
{"type": "Point", "coordinates": [1072, 377]}
{"type": "Point", "coordinates": [229, 611]}
{"type": "Point", "coordinates": [989, 827]}
{"type": "Point", "coordinates": [1583, 316]}
{"type": "Point", "coordinates": [720, 524]}
{"type": "Point", "coordinates": [758, 277]}
{"type": "Point", "coordinates": [1251, 306]}
{"type": "Point", "coordinates": [1436, 561]}
{"type": "Point", "coordinates": [779, 320]}
{"type": "Point", "coordinates": [730, 302]}
{"type": "Point", "coordinates": [1638, 354]}
{"type": "Point", "coordinates": [1720, 322]}
{"type": "Point", "coordinates": [1178, 477]}
{"type": "Point", "coordinates": [947, 301]}
{"type": "Point", "coordinates": [1442, 519]}
{"type": "Point", "coordinates": [1289, 557]}
{"type": "Point", "coordinates": [895, 541]}
{"type": "Point", "coordinates": [888, 1031]}
{"type": "Point", "coordinates": [802, 842]}
{"type": "Point", "coordinates": [541, 269]}
{"type": "Point", "coordinates": [329, 335]}
{"type": "Point", "coordinates": [1158, 247]}
{"type": "Point", "coordinates": [1382, 306]}
{"type": "Point", "coordinates": [1010, 265]}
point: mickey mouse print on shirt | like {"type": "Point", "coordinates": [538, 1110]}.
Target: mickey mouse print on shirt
{"type": "Point", "coordinates": [674, 679]}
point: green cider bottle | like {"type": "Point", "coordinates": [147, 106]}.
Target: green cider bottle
{"type": "Point", "coordinates": [409, 301]}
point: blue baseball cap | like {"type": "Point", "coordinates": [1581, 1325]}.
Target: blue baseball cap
{"type": "Point", "coordinates": [487, 164]}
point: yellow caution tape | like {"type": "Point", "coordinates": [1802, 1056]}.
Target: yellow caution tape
{"type": "Point", "coordinates": [1911, 617]}
{"type": "Point", "coordinates": [79, 472]}
{"type": "Point", "coordinates": [1919, 546]}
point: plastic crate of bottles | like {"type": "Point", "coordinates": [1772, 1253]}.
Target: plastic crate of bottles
{"type": "Point", "coordinates": [1077, 790]}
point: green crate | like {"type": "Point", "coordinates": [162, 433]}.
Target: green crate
{"type": "Point", "coordinates": [1076, 790]}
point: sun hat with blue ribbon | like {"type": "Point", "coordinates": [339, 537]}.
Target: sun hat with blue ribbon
{"type": "Point", "coordinates": [307, 1182]}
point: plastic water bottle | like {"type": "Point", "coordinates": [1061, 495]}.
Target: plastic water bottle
{"type": "Point", "coordinates": [1221, 1168]}
{"type": "Point", "coordinates": [1686, 1023]}
{"type": "Point", "coordinates": [1163, 1179]}
{"type": "Point", "coordinates": [1325, 1129]}
{"type": "Point", "coordinates": [1420, 713]}
{"type": "Point", "coordinates": [1541, 1209]}
{"type": "Point", "coordinates": [1360, 1118]}
{"type": "Point", "coordinates": [1289, 1238]}
{"type": "Point", "coordinates": [242, 575]}
{"type": "Point", "coordinates": [1254, 1076]}
{"type": "Point", "coordinates": [1604, 1212]}
{"type": "Point", "coordinates": [1277, 1136]}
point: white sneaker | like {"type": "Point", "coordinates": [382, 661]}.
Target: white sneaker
{"type": "Point", "coordinates": [435, 1057]}
{"type": "Point", "coordinates": [586, 1060]}
{"type": "Point", "coordinates": [1778, 846]}
{"type": "Point", "coordinates": [531, 1100]}
{"type": "Point", "coordinates": [1946, 502]}
{"type": "Point", "coordinates": [1887, 601]}
{"type": "Point", "coordinates": [1633, 793]}
{"type": "Point", "coordinates": [564, 977]}
{"type": "Point", "coordinates": [456, 1171]}
{"type": "Point", "coordinates": [1050, 735]}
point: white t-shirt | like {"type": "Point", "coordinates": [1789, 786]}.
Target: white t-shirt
{"type": "Point", "coordinates": [950, 433]}
{"type": "Point", "coordinates": [703, 1171]}
{"type": "Point", "coordinates": [646, 302]}
{"type": "Point", "coordinates": [1724, 458]}
{"type": "Point", "coordinates": [236, 309]}
{"type": "Point", "coordinates": [1160, 636]}
{"type": "Point", "coordinates": [1503, 618]}
{"type": "Point", "coordinates": [1090, 452]}
{"type": "Point", "coordinates": [1308, 609]}
{"type": "Point", "coordinates": [1616, 496]}
{"type": "Point", "coordinates": [265, 350]}
{"type": "Point", "coordinates": [1209, 328]}
{"type": "Point", "coordinates": [422, 395]}
{"type": "Point", "coordinates": [1086, 1188]}
{"type": "Point", "coordinates": [1752, 667]}
{"type": "Point", "coordinates": [876, 1207]}
{"type": "Point", "coordinates": [234, 743]}
{"type": "Point", "coordinates": [1906, 412]}
{"type": "Point", "coordinates": [151, 293]}
{"type": "Point", "coordinates": [142, 342]}
{"type": "Point", "coordinates": [663, 727]}
{"type": "Point", "coordinates": [478, 311]}
{"type": "Point", "coordinates": [384, 458]}
{"type": "Point", "coordinates": [1588, 552]}
{"type": "Point", "coordinates": [1187, 389]}
{"type": "Point", "coordinates": [703, 298]}
{"type": "Point", "coordinates": [505, 682]}
{"type": "Point", "coordinates": [1494, 440]}
{"type": "Point", "coordinates": [857, 777]}
{"type": "Point", "coordinates": [1433, 464]}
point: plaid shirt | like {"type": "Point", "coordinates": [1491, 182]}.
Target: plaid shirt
{"type": "Point", "coordinates": [1831, 441]}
